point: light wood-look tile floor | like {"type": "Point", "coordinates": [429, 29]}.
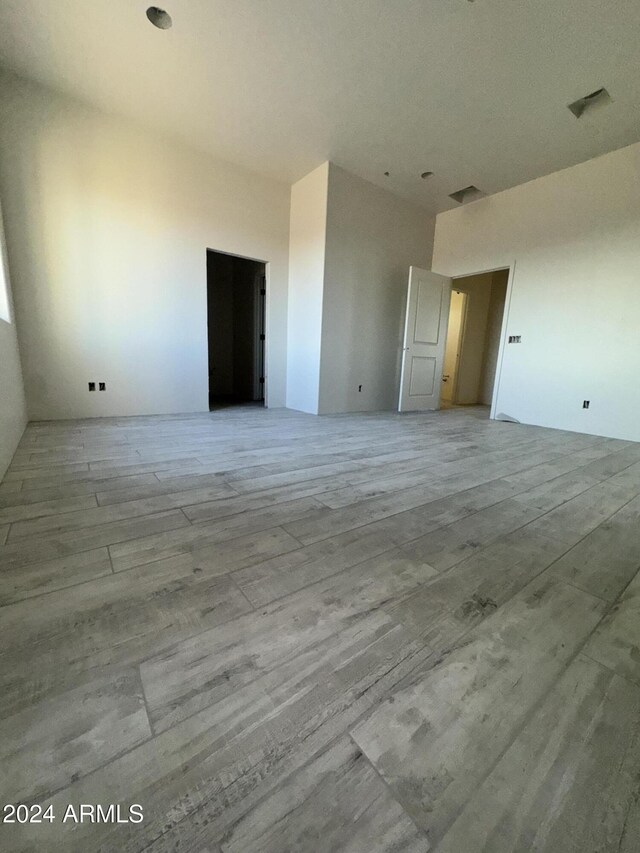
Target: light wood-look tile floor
{"type": "Point", "coordinates": [277, 632]}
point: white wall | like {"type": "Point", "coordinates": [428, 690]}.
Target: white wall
{"type": "Point", "coordinates": [13, 409]}
{"type": "Point", "coordinates": [373, 238]}
{"type": "Point", "coordinates": [107, 228]}
{"type": "Point", "coordinates": [307, 243]}
{"type": "Point", "coordinates": [575, 238]}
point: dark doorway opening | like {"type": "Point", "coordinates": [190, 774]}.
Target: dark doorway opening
{"type": "Point", "coordinates": [236, 296]}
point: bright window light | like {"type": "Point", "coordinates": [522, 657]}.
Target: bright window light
{"type": "Point", "coordinates": [4, 276]}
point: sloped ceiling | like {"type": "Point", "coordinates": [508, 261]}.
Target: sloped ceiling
{"type": "Point", "coordinates": [475, 92]}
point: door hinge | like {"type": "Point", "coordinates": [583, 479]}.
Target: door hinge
{"type": "Point", "coordinates": [263, 292]}
{"type": "Point", "coordinates": [262, 380]}
{"type": "Point", "coordinates": [262, 337]}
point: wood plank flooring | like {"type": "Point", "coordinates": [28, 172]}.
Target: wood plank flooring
{"type": "Point", "coordinates": [277, 632]}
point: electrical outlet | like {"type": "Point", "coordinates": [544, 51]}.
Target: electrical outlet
{"type": "Point", "coordinates": [92, 386]}
{"type": "Point", "coordinates": [102, 386]}
{"type": "Point", "coordinates": [585, 404]}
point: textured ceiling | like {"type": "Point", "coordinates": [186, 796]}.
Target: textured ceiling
{"type": "Point", "coordinates": [475, 92]}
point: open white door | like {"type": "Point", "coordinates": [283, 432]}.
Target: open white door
{"type": "Point", "coordinates": [425, 332]}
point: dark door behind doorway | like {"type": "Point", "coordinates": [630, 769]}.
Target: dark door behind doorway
{"type": "Point", "coordinates": [236, 289]}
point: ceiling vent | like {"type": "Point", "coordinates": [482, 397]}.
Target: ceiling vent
{"type": "Point", "coordinates": [467, 194]}
{"type": "Point", "coordinates": [596, 99]}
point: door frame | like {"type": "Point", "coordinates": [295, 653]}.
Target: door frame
{"type": "Point", "coordinates": [260, 336]}
{"type": "Point", "coordinates": [503, 329]}
{"type": "Point", "coordinates": [267, 308]}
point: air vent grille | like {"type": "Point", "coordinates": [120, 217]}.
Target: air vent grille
{"type": "Point", "coordinates": [596, 99]}
{"type": "Point", "coordinates": [470, 193]}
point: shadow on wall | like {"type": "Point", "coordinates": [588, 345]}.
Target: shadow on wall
{"type": "Point", "coordinates": [107, 225]}
{"type": "Point", "coordinates": [13, 408]}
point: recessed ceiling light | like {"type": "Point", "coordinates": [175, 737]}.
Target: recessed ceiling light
{"type": "Point", "coordinates": [426, 175]}
{"type": "Point", "coordinates": [386, 174]}
{"type": "Point", "coordinates": [159, 18]}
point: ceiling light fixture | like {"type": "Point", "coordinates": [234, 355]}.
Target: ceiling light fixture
{"type": "Point", "coordinates": [159, 18]}
{"type": "Point", "coordinates": [386, 174]}
{"type": "Point", "coordinates": [426, 175]}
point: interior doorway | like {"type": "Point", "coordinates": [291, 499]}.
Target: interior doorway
{"type": "Point", "coordinates": [236, 309]}
{"type": "Point", "coordinates": [457, 311]}
{"type": "Point", "coordinates": [473, 338]}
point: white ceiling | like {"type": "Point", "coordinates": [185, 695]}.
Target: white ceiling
{"type": "Point", "coordinates": [475, 92]}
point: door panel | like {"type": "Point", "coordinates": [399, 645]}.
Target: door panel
{"type": "Point", "coordinates": [423, 376]}
{"type": "Point", "coordinates": [424, 340]}
{"type": "Point", "coordinates": [427, 325]}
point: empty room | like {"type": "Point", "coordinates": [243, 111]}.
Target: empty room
{"type": "Point", "coordinates": [319, 426]}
